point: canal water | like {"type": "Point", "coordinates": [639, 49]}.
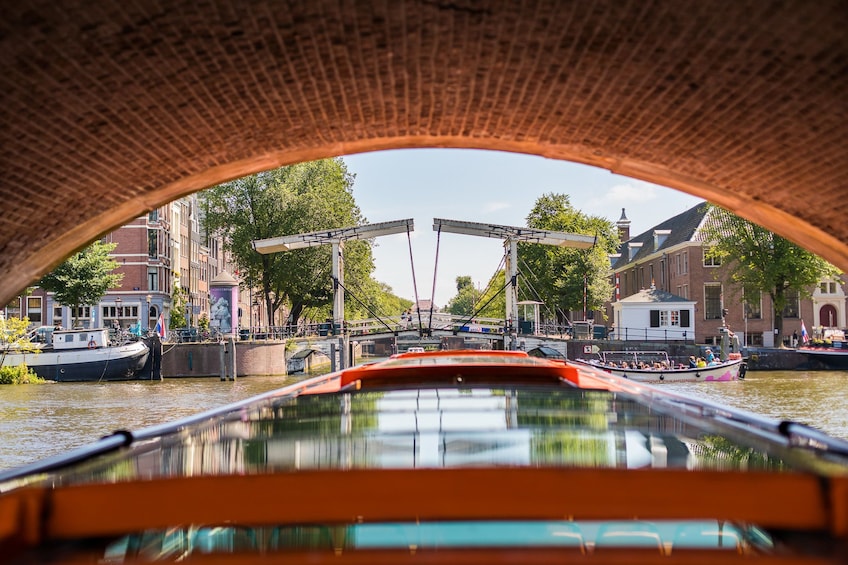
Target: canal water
{"type": "Point", "coordinates": [37, 421]}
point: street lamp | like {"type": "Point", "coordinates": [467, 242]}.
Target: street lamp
{"type": "Point", "coordinates": [119, 312]}
{"type": "Point", "coordinates": [148, 312]}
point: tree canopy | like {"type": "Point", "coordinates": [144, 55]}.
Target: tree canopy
{"type": "Point", "coordinates": [289, 200]}
{"type": "Point", "coordinates": [559, 276]}
{"type": "Point", "coordinates": [758, 260]}
{"type": "Point", "coordinates": [491, 301]}
{"type": "Point", "coordinates": [85, 277]}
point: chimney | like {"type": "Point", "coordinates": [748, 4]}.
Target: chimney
{"type": "Point", "coordinates": [623, 225]}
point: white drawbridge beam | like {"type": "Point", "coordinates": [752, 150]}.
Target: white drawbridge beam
{"type": "Point", "coordinates": [335, 237]}
{"type": "Point", "coordinates": [511, 235]}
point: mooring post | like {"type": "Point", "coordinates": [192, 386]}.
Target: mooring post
{"type": "Point", "coordinates": [332, 357]}
{"type": "Point", "coordinates": [232, 369]}
{"type": "Point", "coordinates": [222, 360]}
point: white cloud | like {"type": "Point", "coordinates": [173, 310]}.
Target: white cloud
{"type": "Point", "coordinates": [490, 207]}
{"type": "Point", "coordinates": [635, 192]}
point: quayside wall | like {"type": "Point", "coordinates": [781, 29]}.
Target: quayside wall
{"type": "Point", "coordinates": [204, 359]}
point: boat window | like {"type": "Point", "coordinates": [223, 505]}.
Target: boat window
{"type": "Point", "coordinates": [585, 537]}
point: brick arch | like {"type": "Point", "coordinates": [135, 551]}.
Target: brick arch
{"type": "Point", "coordinates": [110, 109]}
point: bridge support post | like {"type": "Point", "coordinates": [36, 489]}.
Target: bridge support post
{"type": "Point", "coordinates": [343, 364]}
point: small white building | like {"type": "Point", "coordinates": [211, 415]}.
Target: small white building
{"type": "Point", "coordinates": [653, 315]}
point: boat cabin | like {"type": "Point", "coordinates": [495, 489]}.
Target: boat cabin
{"type": "Point", "coordinates": [80, 339]}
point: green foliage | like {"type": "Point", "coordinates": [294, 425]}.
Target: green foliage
{"type": "Point", "coordinates": [491, 301]}
{"type": "Point", "coordinates": [295, 199]}
{"type": "Point", "coordinates": [203, 322]}
{"type": "Point", "coordinates": [759, 260]}
{"type": "Point", "coordinates": [19, 375]}
{"type": "Point", "coordinates": [85, 277]}
{"type": "Point", "coordinates": [13, 338]}
{"type": "Point", "coordinates": [179, 308]}
{"type": "Point", "coordinates": [559, 275]}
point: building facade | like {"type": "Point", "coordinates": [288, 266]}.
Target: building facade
{"type": "Point", "coordinates": [156, 253]}
{"type": "Point", "coordinates": [672, 257]}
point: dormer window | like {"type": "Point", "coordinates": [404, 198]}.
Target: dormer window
{"type": "Point", "coordinates": [633, 248]}
{"type": "Point", "coordinates": [659, 238]}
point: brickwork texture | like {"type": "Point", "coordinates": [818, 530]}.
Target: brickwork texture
{"type": "Point", "coordinates": [112, 108]}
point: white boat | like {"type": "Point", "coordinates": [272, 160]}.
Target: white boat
{"type": "Point", "coordinates": [656, 367]}
{"type": "Point", "coordinates": [83, 355]}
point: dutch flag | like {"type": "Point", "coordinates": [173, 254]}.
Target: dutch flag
{"type": "Point", "coordinates": [160, 326]}
{"type": "Point", "coordinates": [804, 336]}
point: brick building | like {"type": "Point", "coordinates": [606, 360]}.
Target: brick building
{"type": "Point", "coordinates": [157, 252]}
{"type": "Point", "coordinates": [670, 257]}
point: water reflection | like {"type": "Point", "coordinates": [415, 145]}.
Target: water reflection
{"type": "Point", "coordinates": [815, 398]}
{"type": "Point", "coordinates": [37, 421]}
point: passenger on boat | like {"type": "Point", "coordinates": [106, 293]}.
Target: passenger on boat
{"type": "Point", "coordinates": [700, 363]}
{"type": "Point", "coordinates": [692, 362]}
{"type": "Point", "coordinates": [709, 356]}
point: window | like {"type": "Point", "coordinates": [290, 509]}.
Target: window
{"type": "Point", "coordinates": [663, 317]}
{"type": "Point", "coordinates": [754, 339]}
{"type": "Point", "coordinates": [791, 309]}
{"type": "Point", "coordinates": [675, 317]}
{"type": "Point", "coordinates": [34, 309]}
{"type": "Point", "coordinates": [682, 261]}
{"type": "Point", "coordinates": [153, 216]}
{"type": "Point", "coordinates": [710, 260]}
{"type": "Point", "coordinates": [827, 288]}
{"type": "Point", "coordinates": [57, 315]}
{"type": "Point", "coordinates": [81, 312]}
{"type": "Point", "coordinates": [712, 301]}
{"type": "Point", "coordinates": [152, 279]}
{"type": "Point", "coordinates": [152, 247]}
{"type": "Point", "coordinates": [752, 299]}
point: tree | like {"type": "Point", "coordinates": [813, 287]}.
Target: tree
{"type": "Point", "coordinates": [466, 297]}
{"type": "Point", "coordinates": [758, 260]}
{"type": "Point", "coordinates": [13, 337]}
{"type": "Point", "coordinates": [84, 278]}
{"type": "Point", "coordinates": [286, 201]}
{"type": "Point", "coordinates": [568, 279]}
{"type": "Point", "coordinates": [491, 301]}
{"type": "Point", "coordinates": [179, 309]}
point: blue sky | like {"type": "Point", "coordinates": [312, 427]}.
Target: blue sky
{"type": "Point", "coordinates": [482, 186]}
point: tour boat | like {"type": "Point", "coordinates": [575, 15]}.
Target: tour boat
{"type": "Point", "coordinates": [655, 367]}
{"type": "Point", "coordinates": [82, 355]}
{"type": "Point", "coordinates": [451, 456]}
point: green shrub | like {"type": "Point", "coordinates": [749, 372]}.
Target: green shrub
{"type": "Point", "coordinates": [18, 375]}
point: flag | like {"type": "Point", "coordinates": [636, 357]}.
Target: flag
{"type": "Point", "coordinates": [804, 336]}
{"type": "Point", "coordinates": [160, 326]}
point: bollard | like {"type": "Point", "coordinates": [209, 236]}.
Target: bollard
{"type": "Point", "coordinates": [232, 368]}
{"type": "Point", "coordinates": [222, 359]}
{"type": "Point", "coordinates": [332, 357]}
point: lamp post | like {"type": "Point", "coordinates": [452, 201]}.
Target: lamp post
{"type": "Point", "coordinates": [147, 323]}
{"type": "Point", "coordinates": [119, 312]}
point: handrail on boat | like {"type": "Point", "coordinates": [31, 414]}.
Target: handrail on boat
{"type": "Point", "coordinates": [806, 503]}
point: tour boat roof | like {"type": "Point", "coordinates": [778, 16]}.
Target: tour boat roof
{"type": "Point", "coordinates": [460, 450]}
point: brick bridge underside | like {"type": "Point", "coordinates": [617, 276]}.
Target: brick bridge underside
{"type": "Point", "coordinates": [111, 108]}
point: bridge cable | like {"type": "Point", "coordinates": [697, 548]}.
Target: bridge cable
{"type": "Point", "coordinates": [435, 270]}
{"type": "Point", "coordinates": [480, 309]}
{"type": "Point", "coordinates": [491, 281]}
{"type": "Point", "coordinates": [370, 311]}
{"type": "Point", "coordinates": [536, 293]}
{"type": "Point", "coordinates": [414, 283]}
